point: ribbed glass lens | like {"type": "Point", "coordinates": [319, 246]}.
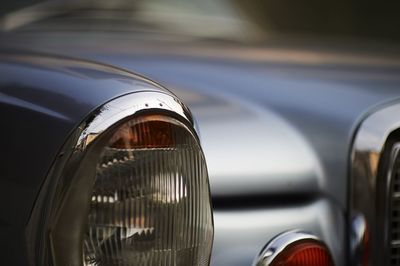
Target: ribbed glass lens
{"type": "Point", "coordinates": [150, 203]}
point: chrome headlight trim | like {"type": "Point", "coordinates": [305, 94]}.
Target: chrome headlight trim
{"type": "Point", "coordinates": [368, 183]}
{"type": "Point", "coordinates": [129, 105]}
{"type": "Point", "coordinates": [80, 141]}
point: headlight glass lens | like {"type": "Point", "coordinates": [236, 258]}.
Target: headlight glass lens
{"type": "Point", "coordinates": [150, 200]}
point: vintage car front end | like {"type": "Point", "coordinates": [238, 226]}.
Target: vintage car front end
{"type": "Point", "coordinates": [300, 134]}
{"type": "Point", "coordinates": [114, 173]}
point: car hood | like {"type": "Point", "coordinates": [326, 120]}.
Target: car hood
{"type": "Point", "coordinates": [273, 130]}
{"type": "Point", "coordinates": [250, 149]}
{"type": "Point", "coordinates": [274, 120]}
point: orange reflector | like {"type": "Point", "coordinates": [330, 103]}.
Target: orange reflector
{"type": "Point", "coordinates": [304, 253]}
{"type": "Point", "coordinates": [154, 131]}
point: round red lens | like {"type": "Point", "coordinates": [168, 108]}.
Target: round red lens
{"type": "Point", "coordinates": [306, 253]}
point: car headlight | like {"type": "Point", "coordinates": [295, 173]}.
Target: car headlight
{"type": "Point", "coordinates": [134, 190]}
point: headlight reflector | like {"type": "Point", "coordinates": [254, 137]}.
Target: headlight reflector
{"type": "Point", "coordinates": [150, 199]}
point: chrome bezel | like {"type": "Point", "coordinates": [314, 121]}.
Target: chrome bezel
{"type": "Point", "coordinates": [82, 142]}
{"type": "Point", "coordinates": [277, 245]}
{"type": "Point", "coordinates": [129, 105]}
{"type": "Point", "coordinates": [369, 183]}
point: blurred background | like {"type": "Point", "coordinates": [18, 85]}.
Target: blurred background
{"type": "Point", "coordinates": [245, 21]}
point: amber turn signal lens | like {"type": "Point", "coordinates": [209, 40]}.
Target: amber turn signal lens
{"type": "Point", "coordinates": [304, 253]}
{"type": "Point", "coordinates": [147, 132]}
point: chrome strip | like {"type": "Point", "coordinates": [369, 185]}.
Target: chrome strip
{"type": "Point", "coordinates": [368, 148]}
{"type": "Point", "coordinates": [279, 244]}
{"type": "Point", "coordinates": [358, 237]}
{"type": "Point", "coordinates": [128, 105]}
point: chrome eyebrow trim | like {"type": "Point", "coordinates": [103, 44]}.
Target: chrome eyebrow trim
{"type": "Point", "coordinates": [128, 105]}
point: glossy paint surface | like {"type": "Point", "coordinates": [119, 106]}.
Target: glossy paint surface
{"type": "Point", "coordinates": [273, 119]}
{"type": "Point", "coordinates": [42, 100]}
